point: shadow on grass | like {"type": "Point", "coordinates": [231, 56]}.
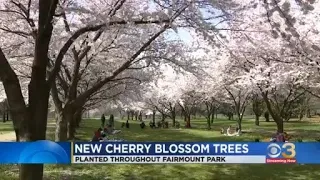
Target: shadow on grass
{"type": "Point", "coordinates": [5, 130]}
{"type": "Point", "coordinates": [186, 172]}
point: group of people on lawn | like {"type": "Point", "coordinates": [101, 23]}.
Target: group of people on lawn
{"type": "Point", "coordinates": [280, 137]}
{"type": "Point", "coordinates": [104, 130]}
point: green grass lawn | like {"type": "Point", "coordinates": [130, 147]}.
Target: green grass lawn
{"type": "Point", "coordinates": [5, 127]}
{"type": "Point", "coordinates": [307, 130]}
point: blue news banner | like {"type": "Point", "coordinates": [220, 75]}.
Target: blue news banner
{"type": "Point", "coordinates": [48, 152]}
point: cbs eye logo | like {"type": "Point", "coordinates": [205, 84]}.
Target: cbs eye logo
{"type": "Point", "coordinates": [287, 150]}
{"type": "Point", "coordinates": [44, 152]}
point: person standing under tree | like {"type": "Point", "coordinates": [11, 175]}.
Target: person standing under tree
{"type": "Point", "coordinates": [111, 121]}
{"type": "Point", "coordinates": [103, 120]}
{"type": "Point", "coordinates": [266, 115]}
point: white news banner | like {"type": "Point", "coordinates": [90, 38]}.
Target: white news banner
{"type": "Point", "coordinates": [168, 159]}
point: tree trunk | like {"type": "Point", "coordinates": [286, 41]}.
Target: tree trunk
{"type": "Point", "coordinates": [280, 127]}
{"type": "Point", "coordinates": [37, 126]}
{"type": "Point", "coordinates": [71, 129]}
{"type": "Point", "coordinates": [209, 122]}
{"type": "Point", "coordinates": [188, 120]}
{"type": "Point", "coordinates": [212, 117]}
{"type": "Point", "coordinates": [72, 123]}
{"type": "Point", "coordinates": [128, 115]}
{"type": "Point", "coordinates": [308, 113]}
{"type": "Point", "coordinates": [136, 116]}
{"type": "Point", "coordinates": [31, 122]}
{"type": "Point", "coordinates": [140, 116]}
{"type": "Point", "coordinates": [31, 172]}
{"type": "Point", "coordinates": [154, 117]}
{"type": "Point", "coordinates": [266, 115]}
{"type": "Point", "coordinates": [122, 115]}
{"type": "Point", "coordinates": [257, 120]}
{"type": "Point", "coordinates": [4, 116]}
{"type": "Point", "coordinates": [173, 114]}
{"type": "Point", "coordinates": [78, 118]}
{"type": "Point", "coordinates": [132, 115]}
{"type": "Point", "coordinates": [17, 132]}
{"type": "Point", "coordinates": [7, 116]}
{"type": "Point", "coordinates": [301, 115]}
{"type": "Point", "coordinates": [240, 124]}
{"type": "Point", "coordinates": [61, 127]}
{"type": "Point", "coordinates": [276, 117]}
{"type": "Point", "coordinates": [163, 117]}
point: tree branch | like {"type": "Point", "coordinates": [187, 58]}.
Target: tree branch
{"type": "Point", "coordinates": [92, 28]}
{"type": "Point", "coordinates": [12, 89]}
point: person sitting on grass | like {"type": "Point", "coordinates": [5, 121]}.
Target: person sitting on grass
{"type": "Point", "coordinates": [97, 135]}
{"type": "Point", "coordinates": [103, 136]}
{"type": "Point", "coordinates": [232, 132]}
{"type": "Point", "coordinates": [108, 129]}
{"type": "Point", "coordinates": [142, 125]}
{"type": "Point", "coordinates": [222, 130]}
{"type": "Point", "coordinates": [278, 137]}
{"type": "Point", "coordinates": [287, 137]}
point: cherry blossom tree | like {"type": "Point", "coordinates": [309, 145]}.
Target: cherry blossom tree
{"type": "Point", "coordinates": [270, 65]}
{"type": "Point", "coordinates": [227, 86]}
{"type": "Point", "coordinates": [164, 93]}
{"type": "Point", "coordinates": [35, 21]}
{"type": "Point", "coordinates": [258, 107]}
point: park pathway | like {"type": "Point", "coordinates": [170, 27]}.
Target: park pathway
{"type": "Point", "coordinates": [8, 136]}
{"type": "Point", "coordinates": [11, 136]}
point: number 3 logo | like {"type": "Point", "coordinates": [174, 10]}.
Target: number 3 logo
{"type": "Point", "coordinates": [291, 150]}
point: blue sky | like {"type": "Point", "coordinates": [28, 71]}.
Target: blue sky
{"type": "Point", "coordinates": [182, 34]}
{"type": "Point", "coordinates": [185, 34]}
